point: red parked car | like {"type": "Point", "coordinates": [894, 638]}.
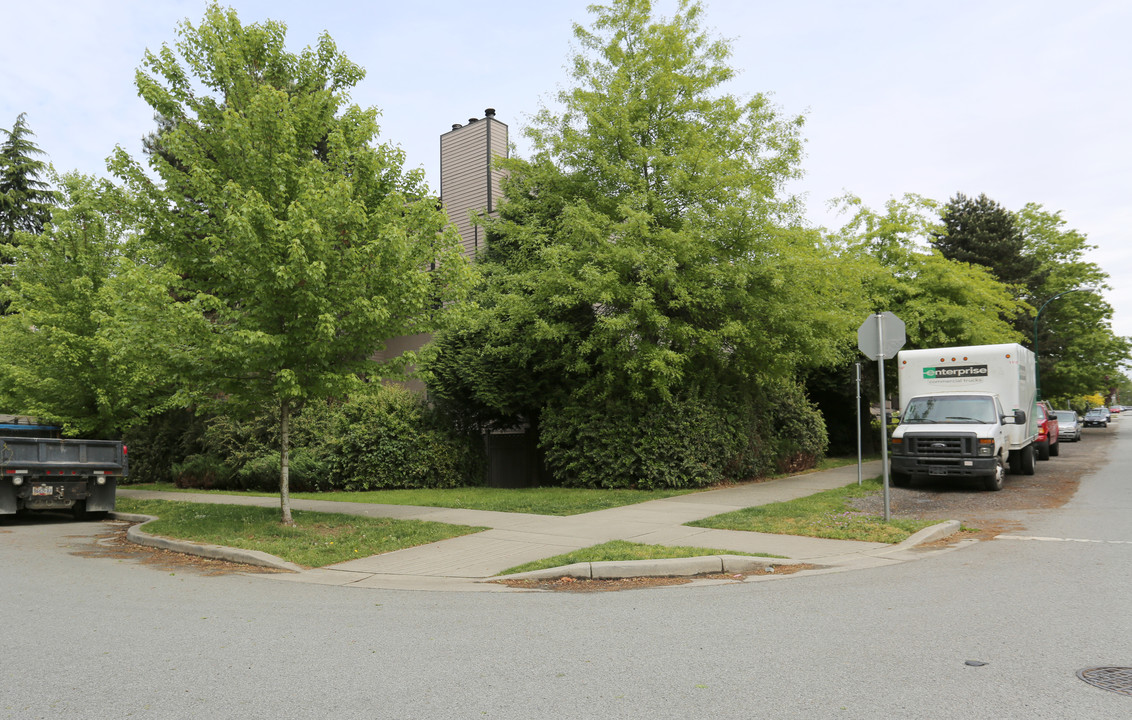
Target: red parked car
{"type": "Point", "coordinates": [1047, 432]}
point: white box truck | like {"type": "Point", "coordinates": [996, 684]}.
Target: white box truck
{"type": "Point", "coordinates": [965, 412]}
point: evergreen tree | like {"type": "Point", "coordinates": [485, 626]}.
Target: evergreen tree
{"type": "Point", "coordinates": [25, 198]}
{"type": "Point", "coordinates": [981, 232]}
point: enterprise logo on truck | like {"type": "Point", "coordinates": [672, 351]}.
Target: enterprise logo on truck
{"type": "Point", "coordinates": [959, 371]}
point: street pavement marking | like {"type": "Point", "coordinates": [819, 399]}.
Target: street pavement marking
{"type": "Point", "coordinates": [1053, 539]}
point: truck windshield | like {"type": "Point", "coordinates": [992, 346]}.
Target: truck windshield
{"type": "Point", "coordinates": [944, 409]}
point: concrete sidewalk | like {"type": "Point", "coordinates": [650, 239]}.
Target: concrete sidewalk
{"type": "Point", "coordinates": [464, 563]}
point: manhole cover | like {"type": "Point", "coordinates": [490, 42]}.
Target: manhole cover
{"type": "Point", "coordinates": [1116, 679]}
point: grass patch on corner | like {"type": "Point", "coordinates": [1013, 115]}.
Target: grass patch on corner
{"type": "Point", "coordinates": [825, 514]}
{"type": "Point", "coordinates": [316, 539]}
{"type": "Point", "coordinates": [622, 550]}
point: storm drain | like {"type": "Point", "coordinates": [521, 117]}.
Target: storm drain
{"type": "Point", "coordinates": [1114, 679]}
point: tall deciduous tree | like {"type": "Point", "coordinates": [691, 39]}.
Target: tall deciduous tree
{"type": "Point", "coordinates": [648, 251]}
{"type": "Point", "coordinates": [303, 242]}
{"type": "Point", "coordinates": [25, 197]}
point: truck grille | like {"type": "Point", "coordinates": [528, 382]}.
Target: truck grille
{"type": "Point", "coordinates": [941, 445]}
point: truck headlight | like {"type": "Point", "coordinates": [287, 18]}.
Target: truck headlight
{"type": "Point", "coordinates": [986, 448]}
{"type": "Point", "coordinates": [896, 446]}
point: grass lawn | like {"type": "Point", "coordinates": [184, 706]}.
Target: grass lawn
{"type": "Point", "coordinates": [536, 500]}
{"type": "Point", "coordinates": [826, 515]}
{"type": "Point", "coordinates": [317, 539]}
{"type": "Point", "coordinates": [622, 550]}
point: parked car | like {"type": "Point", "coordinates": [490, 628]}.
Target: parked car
{"type": "Point", "coordinates": [1096, 417]}
{"type": "Point", "coordinates": [1115, 409]}
{"type": "Point", "coordinates": [1047, 432]}
{"type": "Point", "coordinates": [1068, 425]}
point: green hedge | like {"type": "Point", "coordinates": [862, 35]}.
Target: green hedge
{"type": "Point", "coordinates": [672, 445]}
{"type": "Point", "coordinates": [688, 442]}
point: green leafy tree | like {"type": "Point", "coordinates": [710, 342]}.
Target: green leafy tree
{"type": "Point", "coordinates": [1076, 346]}
{"type": "Point", "coordinates": [303, 242]}
{"type": "Point", "coordinates": [25, 198]}
{"type": "Point", "coordinates": [90, 328]}
{"type": "Point", "coordinates": [942, 302]}
{"type": "Point", "coordinates": [647, 253]}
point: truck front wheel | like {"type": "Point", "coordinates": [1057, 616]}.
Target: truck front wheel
{"type": "Point", "coordinates": [900, 479]}
{"type": "Point", "coordinates": [994, 482]}
{"type": "Point", "coordinates": [1055, 448]}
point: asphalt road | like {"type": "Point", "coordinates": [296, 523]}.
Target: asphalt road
{"type": "Point", "coordinates": [101, 637]}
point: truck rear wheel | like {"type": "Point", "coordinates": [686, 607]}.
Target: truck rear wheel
{"type": "Point", "coordinates": [80, 513]}
{"type": "Point", "coordinates": [1028, 460]}
{"type": "Point", "coordinates": [1043, 451]}
{"type": "Point", "coordinates": [1016, 462]}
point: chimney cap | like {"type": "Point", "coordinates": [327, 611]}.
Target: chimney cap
{"type": "Point", "coordinates": [490, 112]}
{"type": "Point", "coordinates": [456, 126]}
{"type": "Point", "coordinates": [472, 120]}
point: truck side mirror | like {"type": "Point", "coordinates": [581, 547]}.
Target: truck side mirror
{"type": "Point", "coordinates": [1019, 417]}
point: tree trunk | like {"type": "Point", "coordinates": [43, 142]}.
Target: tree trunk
{"type": "Point", "coordinates": [284, 463]}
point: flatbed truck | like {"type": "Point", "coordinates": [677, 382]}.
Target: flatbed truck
{"type": "Point", "coordinates": [39, 470]}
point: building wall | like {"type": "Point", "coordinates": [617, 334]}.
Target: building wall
{"type": "Point", "coordinates": [468, 184]}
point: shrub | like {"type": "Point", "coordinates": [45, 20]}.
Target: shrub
{"type": "Point", "coordinates": [686, 442]}
{"type": "Point", "coordinates": [389, 438]}
{"type": "Point", "coordinates": [160, 443]}
{"type": "Point", "coordinates": [799, 439]}
{"type": "Point", "coordinates": [202, 471]}
{"type": "Point", "coordinates": [306, 472]}
{"type": "Point", "coordinates": [682, 443]}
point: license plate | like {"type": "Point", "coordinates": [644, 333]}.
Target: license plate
{"type": "Point", "coordinates": [37, 490]}
{"type": "Point", "coordinates": [937, 471]}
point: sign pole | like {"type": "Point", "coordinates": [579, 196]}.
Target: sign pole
{"type": "Point", "coordinates": [871, 341]}
{"type": "Point", "coordinates": [859, 460]}
{"type": "Point", "coordinates": [883, 419]}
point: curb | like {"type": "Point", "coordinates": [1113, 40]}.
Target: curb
{"type": "Point", "coordinates": [938, 531]}
{"type": "Point", "coordinates": [135, 534]}
{"type": "Point", "coordinates": [667, 567]}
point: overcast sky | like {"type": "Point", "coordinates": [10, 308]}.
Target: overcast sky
{"type": "Point", "coordinates": [1024, 100]}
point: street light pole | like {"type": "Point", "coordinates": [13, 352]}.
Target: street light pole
{"type": "Point", "coordinates": [1037, 363]}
